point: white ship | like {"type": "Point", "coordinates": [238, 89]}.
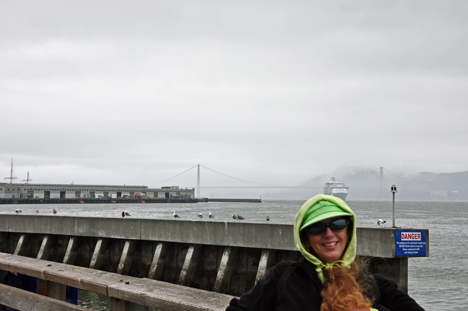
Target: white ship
{"type": "Point", "coordinates": [336, 188]}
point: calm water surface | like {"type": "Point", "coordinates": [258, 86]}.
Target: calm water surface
{"type": "Point", "coordinates": [438, 282]}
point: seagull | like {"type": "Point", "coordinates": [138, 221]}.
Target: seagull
{"type": "Point", "coordinates": [200, 215]}
{"type": "Point", "coordinates": [234, 217]}
{"type": "Point", "coordinates": [37, 211]}
{"type": "Point", "coordinates": [209, 215]}
{"type": "Point", "coordinates": [127, 214]}
{"type": "Point", "coordinates": [55, 211]}
{"type": "Point", "coordinates": [17, 211]}
{"type": "Point", "coordinates": [175, 215]}
{"type": "Point", "coordinates": [268, 218]}
{"type": "Point", "coordinates": [240, 217]}
{"type": "Point", "coordinates": [380, 222]}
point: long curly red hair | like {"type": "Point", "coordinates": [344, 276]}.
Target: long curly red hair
{"type": "Point", "coordinates": [344, 289]}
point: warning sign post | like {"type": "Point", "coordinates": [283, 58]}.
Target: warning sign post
{"type": "Point", "coordinates": [410, 243]}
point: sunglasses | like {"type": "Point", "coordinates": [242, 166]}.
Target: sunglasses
{"type": "Point", "coordinates": [320, 227]}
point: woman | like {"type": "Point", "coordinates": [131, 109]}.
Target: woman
{"type": "Point", "coordinates": [328, 277]}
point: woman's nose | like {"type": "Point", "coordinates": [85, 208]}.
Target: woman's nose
{"type": "Point", "coordinates": [328, 232]}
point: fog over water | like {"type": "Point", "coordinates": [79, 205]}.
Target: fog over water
{"type": "Point", "coordinates": [135, 92]}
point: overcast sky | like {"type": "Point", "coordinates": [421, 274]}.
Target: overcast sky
{"type": "Point", "coordinates": [276, 92]}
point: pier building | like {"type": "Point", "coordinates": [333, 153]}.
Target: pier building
{"type": "Point", "coordinates": [68, 191]}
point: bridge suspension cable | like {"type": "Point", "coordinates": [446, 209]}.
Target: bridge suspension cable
{"type": "Point", "coordinates": [253, 184]}
{"type": "Point", "coordinates": [176, 175]}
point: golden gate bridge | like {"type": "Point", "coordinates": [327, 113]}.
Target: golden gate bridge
{"type": "Point", "coordinates": [200, 176]}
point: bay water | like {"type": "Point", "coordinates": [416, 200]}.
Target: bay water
{"type": "Point", "coordinates": [438, 282]}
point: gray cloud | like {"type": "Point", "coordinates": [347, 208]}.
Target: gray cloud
{"type": "Point", "coordinates": [134, 92]}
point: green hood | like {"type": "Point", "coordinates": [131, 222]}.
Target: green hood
{"type": "Point", "coordinates": [316, 209]}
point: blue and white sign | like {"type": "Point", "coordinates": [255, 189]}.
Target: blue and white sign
{"type": "Point", "coordinates": [411, 243]}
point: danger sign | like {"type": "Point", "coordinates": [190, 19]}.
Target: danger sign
{"type": "Point", "coordinates": [411, 236]}
{"type": "Point", "coordinates": [410, 243]}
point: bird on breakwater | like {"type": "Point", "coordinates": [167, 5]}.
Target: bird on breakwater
{"type": "Point", "coordinates": [127, 214]}
{"type": "Point", "coordinates": [234, 216]}
{"type": "Point", "coordinates": [239, 217]}
{"type": "Point", "coordinates": [37, 211]}
{"type": "Point", "coordinates": [268, 218]}
{"type": "Point", "coordinates": [209, 215]}
{"type": "Point", "coordinates": [54, 211]}
{"type": "Point", "coordinates": [380, 222]}
{"type": "Point", "coordinates": [175, 215]}
{"type": "Point", "coordinates": [200, 215]}
{"type": "Point", "coordinates": [123, 214]}
{"type": "Point", "coordinates": [17, 211]}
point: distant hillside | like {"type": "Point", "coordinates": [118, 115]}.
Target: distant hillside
{"type": "Point", "coordinates": [364, 184]}
{"type": "Point", "coordinates": [433, 186]}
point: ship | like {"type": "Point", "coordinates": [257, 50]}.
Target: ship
{"type": "Point", "coordinates": [336, 188]}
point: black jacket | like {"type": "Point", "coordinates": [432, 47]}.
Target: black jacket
{"type": "Point", "coordinates": [299, 288]}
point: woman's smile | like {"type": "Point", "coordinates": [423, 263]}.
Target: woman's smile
{"type": "Point", "coordinates": [330, 245]}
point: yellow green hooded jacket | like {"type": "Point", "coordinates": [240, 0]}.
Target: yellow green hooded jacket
{"type": "Point", "coordinates": [265, 294]}
{"type": "Point", "coordinates": [316, 209]}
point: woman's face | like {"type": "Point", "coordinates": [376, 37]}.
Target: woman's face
{"type": "Point", "coordinates": [329, 246]}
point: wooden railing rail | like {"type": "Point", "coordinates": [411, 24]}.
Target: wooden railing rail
{"type": "Point", "coordinates": [126, 293]}
{"type": "Point", "coordinates": [24, 301]}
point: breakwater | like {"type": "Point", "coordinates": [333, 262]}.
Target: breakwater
{"type": "Point", "coordinates": [234, 200]}
{"type": "Point", "coordinates": [118, 200]}
{"type": "Point", "coordinates": [95, 200]}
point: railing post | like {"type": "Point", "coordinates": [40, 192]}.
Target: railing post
{"type": "Point", "coordinates": [44, 251]}
{"type": "Point", "coordinates": [118, 305]}
{"type": "Point", "coordinates": [122, 305]}
{"type": "Point", "coordinates": [188, 269]}
{"type": "Point", "coordinates": [51, 289]}
{"type": "Point", "coordinates": [265, 262]}
{"type": "Point", "coordinates": [126, 258]}
{"type": "Point", "coordinates": [97, 259]}
{"type": "Point", "coordinates": [157, 265]}
{"type": "Point", "coordinates": [70, 254]}
{"type": "Point", "coordinates": [21, 247]}
{"type": "Point", "coordinates": [225, 268]}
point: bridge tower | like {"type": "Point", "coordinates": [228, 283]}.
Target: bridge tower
{"type": "Point", "coordinates": [198, 182]}
{"type": "Point", "coordinates": [381, 183]}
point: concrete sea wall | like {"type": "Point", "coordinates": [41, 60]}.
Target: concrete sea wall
{"type": "Point", "coordinates": [225, 257]}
